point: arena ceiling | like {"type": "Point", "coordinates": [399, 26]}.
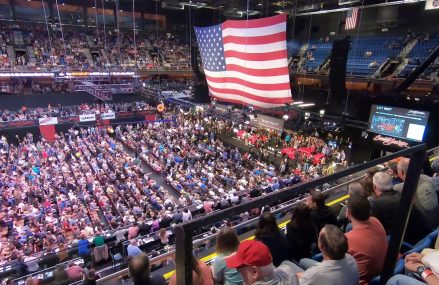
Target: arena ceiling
{"type": "Point", "coordinates": [256, 8]}
{"type": "Point", "coordinates": [238, 8]}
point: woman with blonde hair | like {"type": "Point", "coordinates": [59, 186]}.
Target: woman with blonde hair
{"type": "Point", "coordinates": [226, 244]}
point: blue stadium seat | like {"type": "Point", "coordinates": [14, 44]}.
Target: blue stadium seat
{"type": "Point", "coordinates": [426, 242]}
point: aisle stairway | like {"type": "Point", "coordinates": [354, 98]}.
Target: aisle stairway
{"type": "Point", "coordinates": [18, 38]}
{"type": "Point", "coordinates": [87, 54]}
{"type": "Point", "coordinates": [105, 54]}
{"type": "Point", "coordinates": [11, 54]}
{"type": "Point", "coordinates": [30, 55]}
{"type": "Point", "coordinates": [159, 179]}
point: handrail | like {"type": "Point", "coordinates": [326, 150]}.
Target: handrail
{"type": "Point", "coordinates": [184, 231]}
{"type": "Point", "coordinates": [197, 242]}
{"type": "Point", "coordinates": [46, 269]}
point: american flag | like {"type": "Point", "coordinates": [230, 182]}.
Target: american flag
{"type": "Point", "coordinates": [245, 62]}
{"type": "Point", "coordinates": [351, 19]}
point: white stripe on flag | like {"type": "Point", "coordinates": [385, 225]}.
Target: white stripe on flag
{"type": "Point", "coordinates": [256, 92]}
{"type": "Point", "coordinates": [249, 78]}
{"type": "Point", "coordinates": [282, 45]}
{"type": "Point", "coordinates": [268, 64]}
{"type": "Point", "coordinates": [245, 99]}
{"type": "Point", "coordinates": [255, 32]}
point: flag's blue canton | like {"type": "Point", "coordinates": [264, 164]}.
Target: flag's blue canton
{"type": "Point", "coordinates": [210, 42]}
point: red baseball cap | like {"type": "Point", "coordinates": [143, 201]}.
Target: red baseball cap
{"type": "Point", "coordinates": [250, 253]}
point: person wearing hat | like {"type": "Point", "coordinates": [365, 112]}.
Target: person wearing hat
{"type": "Point", "coordinates": [254, 262]}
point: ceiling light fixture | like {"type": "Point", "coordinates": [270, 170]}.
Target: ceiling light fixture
{"type": "Point", "coordinates": [306, 105]}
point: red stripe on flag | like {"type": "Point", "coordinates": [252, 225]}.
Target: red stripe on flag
{"type": "Point", "coordinates": [259, 40]}
{"type": "Point", "coordinates": [258, 23]}
{"type": "Point", "coordinates": [239, 101]}
{"type": "Point", "coordinates": [251, 96]}
{"type": "Point", "coordinates": [259, 86]}
{"type": "Point", "coordinates": [257, 56]}
{"type": "Point", "coordinates": [258, 72]}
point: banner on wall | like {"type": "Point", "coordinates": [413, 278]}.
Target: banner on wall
{"type": "Point", "coordinates": [431, 4]}
{"type": "Point", "coordinates": [48, 132]}
{"type": "Point", "coordinates": [87, 118]}
{"type": "Point", "coordinates": [222, 107]}
{"type": "Point", "coordinates": [48, 121]}
{"type": "Point", "coordinates": [108, 116]}
{"type": "Point", "coordinates": [268, 122]}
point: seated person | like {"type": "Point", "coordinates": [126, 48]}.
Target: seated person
{"type": "Point", "coordinates": [425, 266]}
{"type": "Point", "coordinates": [254, 262]}
{"type": "Point", "coordinates": [337, 268]}
{"type": "Point", "coordinates": [368, 252]}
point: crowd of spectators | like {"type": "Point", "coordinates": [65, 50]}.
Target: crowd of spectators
{"type": "Point", "coordinates": [54, 196]}
{"type": "Point", "coordinates": [353, 255]}
{"type": "Point", "coordinates": [83, 49]}
{"type": "Point", "coordinates": [67, 111]}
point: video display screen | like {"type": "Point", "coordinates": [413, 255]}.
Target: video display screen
{"type": "Point", "coordinates": [398, 122]}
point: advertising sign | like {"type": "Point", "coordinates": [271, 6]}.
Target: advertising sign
{"type": "Point", "coordinates": [108, 116]}
{"type": "Point", "coordinates": [48, 121]}
{"type": "Point", "coordinates": [87, 118]}
{"type": "Point", "coordinates": [268, 122]}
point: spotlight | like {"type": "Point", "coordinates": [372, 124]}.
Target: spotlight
{"type": "Point", "coordinates": [285, 117]}
{"type": "Point", "coordinates": [322, 112]}
{"type": "Point", "coordinates": [364, 135]}
{"type": "Point", "coordinates": [307, 115]}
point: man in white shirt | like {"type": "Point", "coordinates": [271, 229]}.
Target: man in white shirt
{"type": "Point", "coordinates": [337, 267]}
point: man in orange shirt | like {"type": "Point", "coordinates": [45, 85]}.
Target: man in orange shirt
{"type": "Point", "coordinates": [367, 239]}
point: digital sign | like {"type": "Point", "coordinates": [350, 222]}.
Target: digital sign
{"type": "Point", "coordinates": [398, 122]}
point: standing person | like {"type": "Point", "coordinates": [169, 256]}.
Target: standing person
{"type": "Point", "coordinates": [133, 248]}
{"type": "Point", "coordinates": [368, 252]}
{"type": "Point", "coordinates": [301, 233]}
{"type": "Point", "coordinates": [139, 269]}
{"type": "Point", "coordinates": [227, 243]}
{"type": "Point", "coordinates": [84, 247]}
{"type": "Point", "coordinates": [268, 232]}
{"type": "Point", "coordinates": [201, 274]}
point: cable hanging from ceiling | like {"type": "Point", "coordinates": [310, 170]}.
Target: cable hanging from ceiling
{"type": "Point", "coordinates": [104, 24]}
{"type": "Point", "coordinates": [96, 22]}
{"type": "Point", "coordinates": [47, 25]}
{"type": "Point", "coordinates": [134, 36]}
{"type": "Point", "coordinates": [62, 34]}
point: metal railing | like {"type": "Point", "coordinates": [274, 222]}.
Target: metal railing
{"type": "Point", "coordinates": [202, 239]}
{"type": "Point", "coordinates": [184, 232]}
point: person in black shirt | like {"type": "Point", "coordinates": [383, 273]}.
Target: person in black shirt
{"type": "Point", "coordinates": [321, 214]}
{"type": "Point", "coordinates": [139, 271]}
{"type": "Point", "coordinates": [301, 233]}
{"type": "Point", "coordinates": [384, 204]}
{"type": "Point", "coordinates": [144, 228]}
{"type": "Point", "coordinates": [269, 233]}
